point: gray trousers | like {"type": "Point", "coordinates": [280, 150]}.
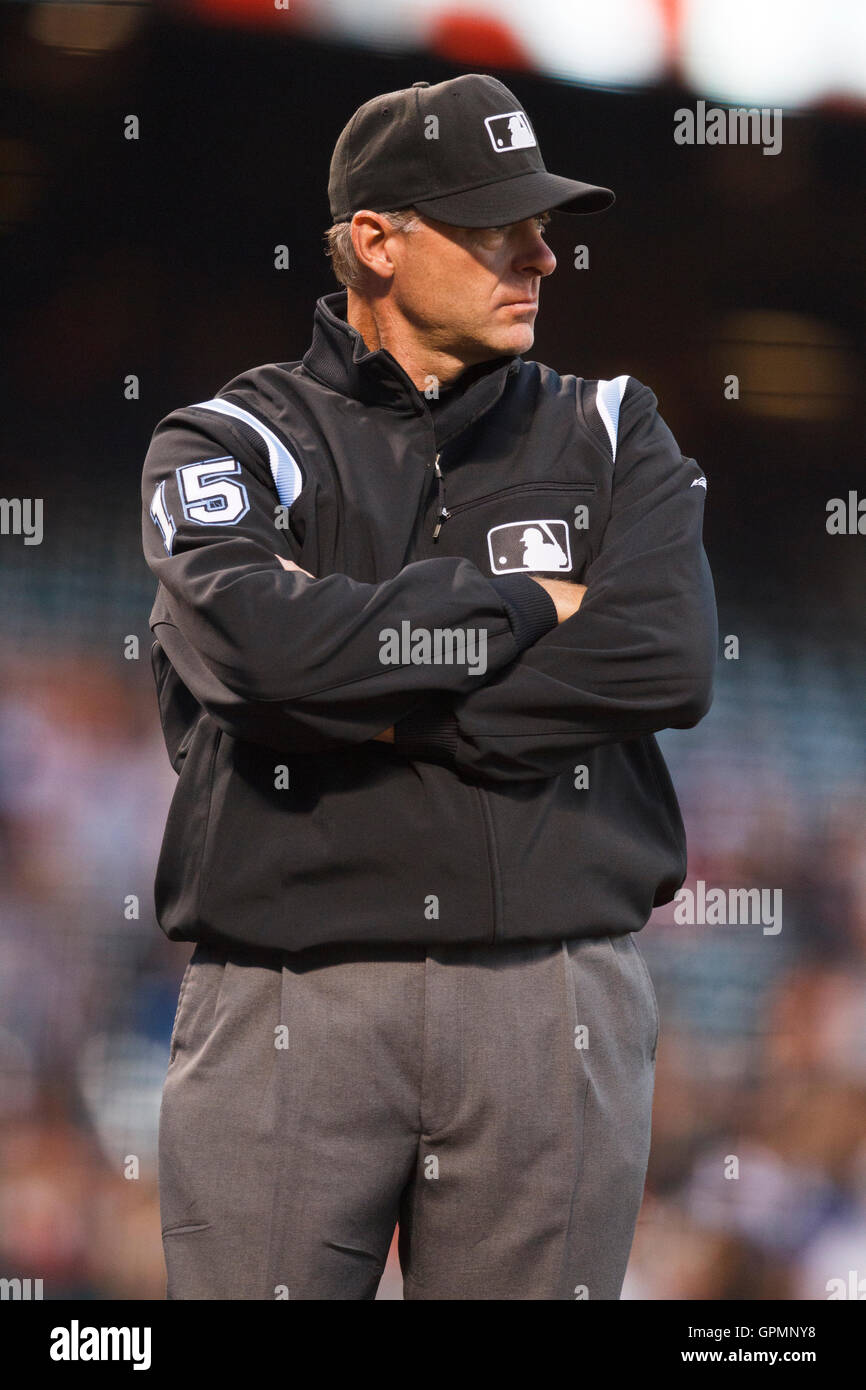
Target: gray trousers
{"type": "Point", "coordinates": [495, 1101]}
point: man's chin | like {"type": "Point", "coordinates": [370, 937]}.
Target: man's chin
{"type": "Point", "coordinates": [518, 342]}
{"type": "Point", "coordinates": [516, 339]}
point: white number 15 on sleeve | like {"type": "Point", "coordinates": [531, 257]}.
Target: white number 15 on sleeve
{"type": "Point", "coordinates": [208, 495]}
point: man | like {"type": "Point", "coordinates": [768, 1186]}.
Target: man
{"type": "Point", "coordinates": [420, 811]}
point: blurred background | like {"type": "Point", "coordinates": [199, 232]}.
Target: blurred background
{"type": "Point", "coordinates": [153, 258]}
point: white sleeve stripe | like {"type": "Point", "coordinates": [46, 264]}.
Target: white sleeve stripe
{"type": "Point", "coordinates": [286, 474]}
{"type": "Point", "coordinates": [608, 399]}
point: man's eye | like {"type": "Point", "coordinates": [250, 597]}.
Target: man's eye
{"type": "Point", "coordinates": [542, 220]}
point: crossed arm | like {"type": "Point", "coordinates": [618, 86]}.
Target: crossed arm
{"type": "Point", "coordinates": [281, 659]}
{"type": "Point", "coordinates": [566, 595]}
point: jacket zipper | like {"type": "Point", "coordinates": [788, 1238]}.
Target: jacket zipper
{"type": "Point", "coordinates": [443, 510]}
{"type": "Point", "coordinates": [523, 487]}
{"type": "Point", "coordinates": [446, 512]}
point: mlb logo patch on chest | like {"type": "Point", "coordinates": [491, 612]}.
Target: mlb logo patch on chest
{"type": "Point", "coordinates": [529, 545]}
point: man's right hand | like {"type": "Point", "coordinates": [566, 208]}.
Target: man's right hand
{"type": "Point", "coordinates": [566, 595]}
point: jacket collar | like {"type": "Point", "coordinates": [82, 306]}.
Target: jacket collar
{"type": "Point", "coordinates": [339, 357]}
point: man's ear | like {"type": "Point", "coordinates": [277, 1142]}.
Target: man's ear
{"type": "Point", "coordinates": [370, 232]}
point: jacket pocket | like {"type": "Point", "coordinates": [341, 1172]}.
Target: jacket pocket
{"type": "Point", "coordinates": [520, 489]}
{"type": "Point", "coordinates": [539, 527]}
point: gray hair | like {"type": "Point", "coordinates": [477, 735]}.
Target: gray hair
{"type": "Point", "coordinates": [344, 261]}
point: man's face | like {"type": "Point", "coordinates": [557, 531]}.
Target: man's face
{"type": "Point", "coordinates": [471, 292]}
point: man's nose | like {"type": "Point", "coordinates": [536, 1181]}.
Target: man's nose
{"type": "Point", "coordinates": [538, 258]}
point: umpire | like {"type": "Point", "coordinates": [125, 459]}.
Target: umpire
{"type": "Point", "coordinates": [422, 606]}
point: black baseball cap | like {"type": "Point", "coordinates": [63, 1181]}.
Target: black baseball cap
{"type": "Point", "coordinates": [462, 152]}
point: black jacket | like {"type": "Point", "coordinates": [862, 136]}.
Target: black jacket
{"type": "Point", "coordinates": [525, 799]}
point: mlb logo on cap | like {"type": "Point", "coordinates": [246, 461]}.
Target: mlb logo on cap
{"type": "Point", "coordinates": [384, 158]}
{"type": "Point", "coordinates": [529, 545]}
{"type": "Point", "coordinates": [510, 131]}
